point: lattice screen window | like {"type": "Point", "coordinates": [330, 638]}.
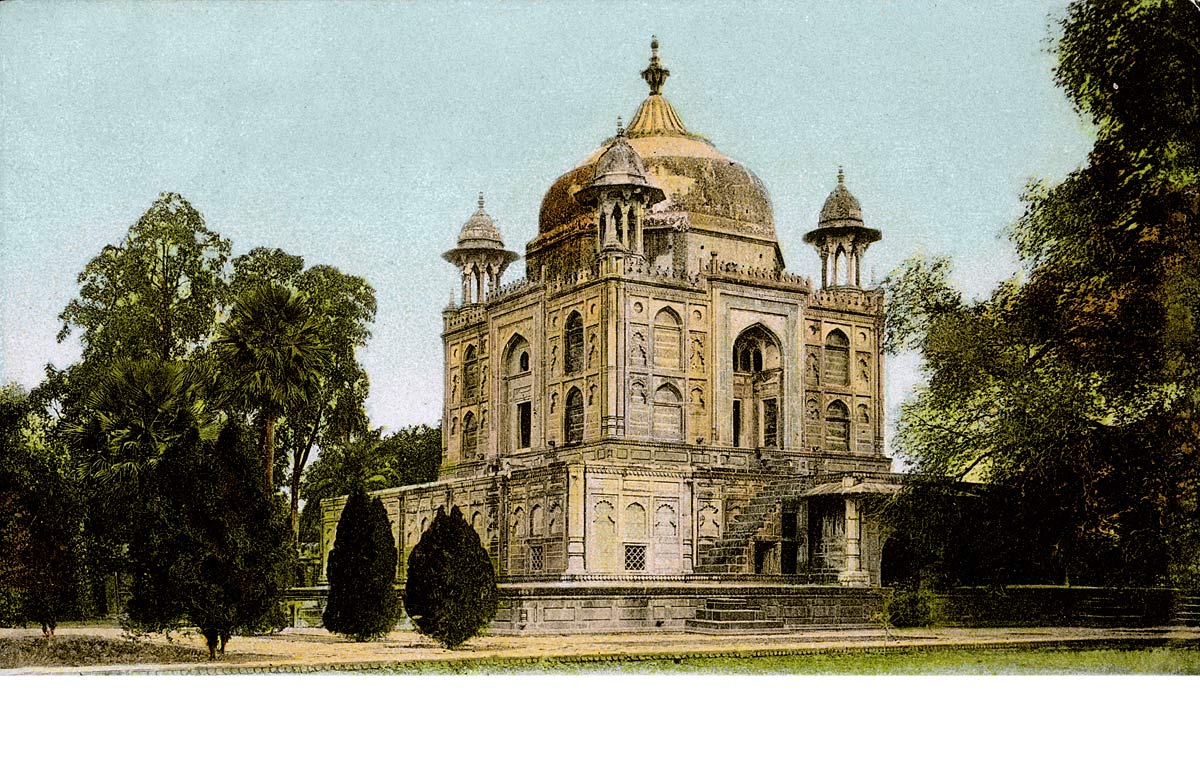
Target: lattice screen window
{"type": "Point", "coordinates": [837, 358]}
{"type": "Point", "coordinates": [536, 557]}
{"type": "Point", "coordinates": [573, 342]}
{"type": "Point", "coordinates": [573, 417]}
{"type": "Point", "coordinates": [635, 557]}
{"type": "Point", "coordinates": [471, 374]}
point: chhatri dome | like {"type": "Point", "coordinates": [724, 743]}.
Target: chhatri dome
{"type": "Point", "coordinates": [712, 191]}
{"type": "Point", "coordinates": [480, 255]}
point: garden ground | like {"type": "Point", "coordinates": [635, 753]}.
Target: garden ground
{"type": "Point", "coordinates": [92, 649]}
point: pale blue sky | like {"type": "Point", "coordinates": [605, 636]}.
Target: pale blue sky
{"type": "Point", "coordinates": [358, 134]}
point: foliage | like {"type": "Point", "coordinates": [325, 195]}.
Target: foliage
{"type": "Point", "coordinates": [335, 410]}
{"type": "Point", "coordinates": [210, 546]}
{"type": "Point", "coordinates": [450, 593]}
{"type": "Point", "coordinates": [1078, 389]}
{"type": "Point", "coordinates": [362, 571]}
{"type": "Point", "coordinates": [157, 293]}
{"type": "Point", "coordinates": [41, 548]}
{"type": "Point", "coordinates": [906, 607]}
{"type": "Point", "coordinates": [407, 457]}
{"type": "Point", "coordinates": [271, 355]}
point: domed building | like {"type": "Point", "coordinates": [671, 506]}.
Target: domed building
{"type": "Point", "coordinates": [659, 427]}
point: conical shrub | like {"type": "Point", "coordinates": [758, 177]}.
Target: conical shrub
{"type": "Point", "coordinates": [362, 571]}
{"type": "Point", "coordinates": [451, 592]}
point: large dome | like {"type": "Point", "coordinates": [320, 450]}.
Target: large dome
{"type": "Point", "coordinates": [714, 191]}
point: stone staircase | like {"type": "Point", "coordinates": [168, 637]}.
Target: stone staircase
{"type": "Point", "coordinates": [1185, 611]}
{"type": "Point", "coordinates": [730, 615]}
{"type": "Point", "coordinates": [731, 553]}
{"type": "Point", "coordinates": [1106, 610]}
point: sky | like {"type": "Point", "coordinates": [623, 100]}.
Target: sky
{"type": "Point", "coordinates": [358, 135]}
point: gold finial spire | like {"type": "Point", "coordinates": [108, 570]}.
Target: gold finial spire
{"type": "Point", "coordinates": [655, 75]}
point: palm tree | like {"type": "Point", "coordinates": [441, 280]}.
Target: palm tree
{"type": "Point", "coordinates": [272, 355]}
{"type": "Point", "coordinates": [139, 411]}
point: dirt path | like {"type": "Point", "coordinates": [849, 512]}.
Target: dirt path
{"type": "Point", "coordinates": [316, 650]}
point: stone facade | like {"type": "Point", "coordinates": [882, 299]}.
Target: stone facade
{"type": "Point", "coordinates": [658, 402]}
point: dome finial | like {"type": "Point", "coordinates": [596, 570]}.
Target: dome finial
{"type": "Point", "coordinates": [841, 176]}
{"type": "Point", "coordinates": [620, 127]}
{"type": "Point", "coordinates": [480, 200]}
{"type": "Point", "coordinates": [655, 75]}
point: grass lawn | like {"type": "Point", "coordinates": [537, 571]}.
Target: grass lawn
{"type": "Point", "coordinates": [64, 650]}
{"type": "Point", "coordinates": [1156, 660]}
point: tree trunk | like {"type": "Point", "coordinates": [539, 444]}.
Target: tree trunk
{"type": "Point", "coordinates": [268, 447]}
{"type": "Point", "coordinates": [211, 640]}
{"type": "Point", "coordinates": [295, 497]}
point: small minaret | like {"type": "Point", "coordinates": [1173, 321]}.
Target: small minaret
{"type": "Point", "coordinates": [841, 238]}
{"type": "Point", "coordinates": [621, 191]}
{"type": "Point", "coordinates": [481, 256]}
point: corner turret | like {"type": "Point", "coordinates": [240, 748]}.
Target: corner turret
{"type": "Point", "coordinates": [841, 238]}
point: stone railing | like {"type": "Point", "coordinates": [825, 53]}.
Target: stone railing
{"type": "Point", "coordinates": [642, 268]}
{"type": "Point", "coordinates": [463, 315]}
{"type": "Point", "coordinates": [730, 270]}
{"type": "Point", "coordinates": [516, 287]}
{"type": "Point", "coordinates": [848, 298]}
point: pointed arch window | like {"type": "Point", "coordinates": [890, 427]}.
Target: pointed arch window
{"type": "Point", "coordinates": [668, 413]}
{"type": "Point", "coordinates": [470, 373]}
{"type": "Point", "coordinates": [635, 526]}
{"type": "Point", "coordinates": [573, 344]}
{"type": "Point", "coordinates": [668, 338]}
{"type": "Point", "coordinates": [837, 427]}
{"type": "Point", "coordinates": [573, 418]}
{"type": "Point", "coordinates": [470, 436]}
{"type": "Point", "coordinates": [837, 358]}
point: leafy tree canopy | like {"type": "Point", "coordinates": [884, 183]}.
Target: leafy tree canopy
{"type": "Point", "coordinates": [210, 547]}
{"type": "Point", "coordinates": [41, 548]}
{"type": "Point", "coordinates": [407, 457]}
{"type": "Point", "coordinates": [335, 409]}
{"type": "Point", "coordinates": [1077, 388]}
{"type": "Point", "coordinates": [157, 293]}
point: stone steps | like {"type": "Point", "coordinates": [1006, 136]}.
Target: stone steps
{"type": "Point", "coordinates": [1106, 611]}
{"type": "Point", "coordinates": [1185, 611]}
{"type": "Point", "coordinates": [729, 615]}
{"type": "Point", "coordinates": [731, 553]}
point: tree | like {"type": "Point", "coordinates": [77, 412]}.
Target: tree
{"type": "Point", "coordinates": [157, 293]}
{"type": "Point", "coordinates": [362, 571]}
{"type": "Point", "coordinates": [207, 545]}
{"type": "Point", "coordinates": [1078, 389]}
{"type": "Point", "coordinates": [153, 296]}
{"type": "Point", "coordinates": [450, 593]}
{"type": "Point", "coordinates": [407, 457]}
{"type": "Point", "coordinates": [272, 355]}
{"type": "Point", "coordinates": [211, 547]}
{"type": "Point", "coordinates": [336, 411]}
{"type": "Point", "coordinates": [41, 565]}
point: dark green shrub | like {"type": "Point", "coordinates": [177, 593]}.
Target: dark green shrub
{"type": "Point", "coordinates": [211, 548]}
{"type": "Point", "coordinates": [911, 607]}
{"type": "Point", "coordinates": [451, 592]}
{"type": "Point", "coordinates": [362, 571]}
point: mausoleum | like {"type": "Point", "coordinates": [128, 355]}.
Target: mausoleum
{"type": "Point", "coordinates": [658, 427]}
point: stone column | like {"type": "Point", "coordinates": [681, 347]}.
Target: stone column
{"type": "Point", "coordinates": [853, 575]}
{"type": "Point", "coordinates": [688, 530]}
{"type": "Point", "coordinates": [576, 517]}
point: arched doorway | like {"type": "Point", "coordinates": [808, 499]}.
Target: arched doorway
{"type": "Point", "coordinates": [757, 416]}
